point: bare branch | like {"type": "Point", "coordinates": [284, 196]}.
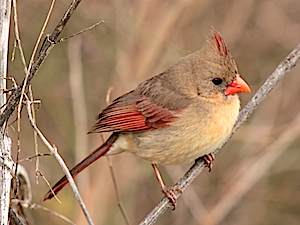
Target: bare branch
{"type": "Point", "coordinates": [37, 206]}
{"type": "Point", "coordinates": [61, 162]}
{"type": "Point", "coordinates": [282, 69]}
{"type": "Point", "coordinates": [80, 32]}
{"type": "Point", "coordinates": [120, 205]}
{"type": "Point", "coordinates": [37, 162]}
{"type": "Point", "coordinates": [49, 43]}
{"type": "Point", "coordinates": [35, 156]}
{"type": "Point", "coordinates": [17, 34]}
{"type": "Point", "coordinates": [48, 184]}
{"type": "Point", "coordinates": [26, 69]}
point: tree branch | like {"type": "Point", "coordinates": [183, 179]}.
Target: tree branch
{"type": "Point", "coordinates": [61, 162]}
{"type": "Point", "coordinates": [49, 42]}
{"type": "Point", "coordinates": [282, 69]}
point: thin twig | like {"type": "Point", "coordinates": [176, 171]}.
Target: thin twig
{"type": "Point", "coordinates": [120, 205]}
{"type": "Point", "coordinates": [283, 68]}
{"type": "Point", "coordinates": [39, 173]}
{"type": "Point", "coordinates": [55, 153]}
{"type": "Point", "coordinates": [18, 42]}
{"type": "Point", "coordinates": [37, 162]}
{"type": "Point", "coordinates": [111, 169]}
{"type": "Point", "coordinates": [35, 156]}
{"type": "Point", "coordinates": [37, 206]}
{"type": "Point", "coordinates": [40, 36]}
{"type": "Point", "coordinates": [25, 85]}
{"type": "Point", "coordinates": [80, 32]}
{"type": "Point", "coordinates": [13, 54]}
{"type": "Point", "coordinates": [48, 45]}
{"type": "Point", "coordinates": [26, 71]}
{"type": "Point", "coordinates": [17, 34]}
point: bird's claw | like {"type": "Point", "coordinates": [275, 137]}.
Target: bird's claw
{"type": "Point", "coordinates": [208, 160]}
{"type": "Point", "coordinates": [169, 193]}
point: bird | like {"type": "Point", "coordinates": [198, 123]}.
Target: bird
{"type": "Point", "coordinates": [175, 117]}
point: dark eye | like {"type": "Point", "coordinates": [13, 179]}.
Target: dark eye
{"type": "Point", "coordinates": [217, 81]}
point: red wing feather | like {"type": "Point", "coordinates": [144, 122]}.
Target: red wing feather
{"type": "Point", "coordinates": [132, 112]}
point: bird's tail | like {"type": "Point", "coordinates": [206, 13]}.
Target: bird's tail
{"type": "Point", "coordinates": [100, 151]}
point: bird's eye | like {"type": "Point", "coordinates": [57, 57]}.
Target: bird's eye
{"type": "Point", "coordinates": [217, 81]}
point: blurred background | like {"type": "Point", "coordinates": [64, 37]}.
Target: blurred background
{"type": "Point", "coordinates": [255, 179]}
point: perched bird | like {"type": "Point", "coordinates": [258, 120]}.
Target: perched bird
{"type": "Point", "coordinates": [175, 117]}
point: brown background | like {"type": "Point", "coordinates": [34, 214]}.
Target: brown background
{"type": "Point", "coordinates": [140, 39]}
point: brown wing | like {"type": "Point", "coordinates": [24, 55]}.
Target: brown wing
{"type": "Point", "coordinates": [133, 112]}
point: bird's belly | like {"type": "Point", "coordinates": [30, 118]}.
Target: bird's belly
{"type": "Point", "coordinates": [183, 147]}
{"type": "Point", "coordinates": [186, 139]}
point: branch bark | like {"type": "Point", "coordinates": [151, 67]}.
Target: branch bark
{"type": "Point", "coordinates": [282, 69]}
{"type": "Point", "coordinates": [5, 142]}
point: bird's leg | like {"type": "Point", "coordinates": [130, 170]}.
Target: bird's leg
{"type": "Point", "coordinates": [169, 192]}
{"type": "Point", "coordinates": [208, 160]}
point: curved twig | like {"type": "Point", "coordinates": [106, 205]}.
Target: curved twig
{"type": "Point", "coordinates": [61, 162]}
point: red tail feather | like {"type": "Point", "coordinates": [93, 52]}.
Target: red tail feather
{"type": "Point", "coordinates": [100, 151]}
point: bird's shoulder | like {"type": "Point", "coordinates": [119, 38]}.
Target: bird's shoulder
{"type": "Point", "coordinates": [160, 90]}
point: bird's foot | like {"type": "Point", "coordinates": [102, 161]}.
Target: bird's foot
{"type": "Point", "coordinates": [169, 193]}
{"type": "Point", "coordinates": [208, 160]}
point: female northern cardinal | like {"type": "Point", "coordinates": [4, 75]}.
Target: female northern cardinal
{"type": "Point", "coordinates": [175, 117]}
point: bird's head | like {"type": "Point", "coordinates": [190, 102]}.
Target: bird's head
{"type": "Point", "coordinates": [214, 71]}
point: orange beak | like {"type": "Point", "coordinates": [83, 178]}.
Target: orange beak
{"type": "Point", "coordinates": [237, 86]}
